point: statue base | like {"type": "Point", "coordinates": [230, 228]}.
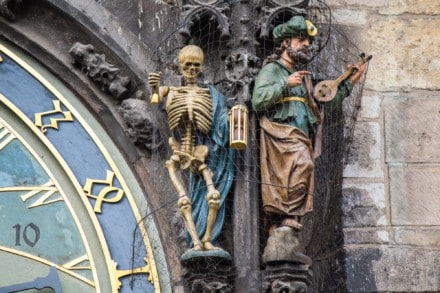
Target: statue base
{"type": "Point", "coordinates": [208, 271]}
{"type": "Point", "coordinates": [287, 269]}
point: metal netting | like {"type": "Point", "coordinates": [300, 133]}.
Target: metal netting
{"type": "Point", "coordinates": [331, 51]}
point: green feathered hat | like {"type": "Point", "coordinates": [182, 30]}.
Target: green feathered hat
{"type": "Point", "coordinates": [297, 26]}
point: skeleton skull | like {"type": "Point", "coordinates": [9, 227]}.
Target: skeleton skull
{"type": "Point", "coordinates": [191, 60]}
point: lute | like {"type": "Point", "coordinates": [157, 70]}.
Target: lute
{"type": "Point", "coordinates": [326, 90]}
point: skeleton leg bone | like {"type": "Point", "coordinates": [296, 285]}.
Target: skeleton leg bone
{"type": "Point", "coordinates": [213, 198]}
{"type": "Point", "coordinates": [184, 202]}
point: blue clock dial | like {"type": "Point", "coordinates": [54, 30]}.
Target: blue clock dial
{"type": "Point", "coordinates": [65, 202]}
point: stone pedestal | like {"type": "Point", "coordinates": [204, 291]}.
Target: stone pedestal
{"type": "Point", "coordinates": [208, 271]}
{"type": "Point", "coordinates": [287, 269]}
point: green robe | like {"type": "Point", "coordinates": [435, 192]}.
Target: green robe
{"type": "Point", "coordinates": [271, 86]}
{"type": "Point", "coordinates": [286, 153]}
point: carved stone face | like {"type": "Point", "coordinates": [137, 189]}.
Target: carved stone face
{"type": "Point", "coordinates": [191, 60]}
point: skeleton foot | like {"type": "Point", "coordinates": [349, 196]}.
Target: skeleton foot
{"type": "Point", "coordinates": [198, 247]}
{"type": "Point", "coordinates": [207, 245]}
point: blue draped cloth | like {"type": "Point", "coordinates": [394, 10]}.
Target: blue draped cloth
{"type": "Point", "coordinates": [220, 162]}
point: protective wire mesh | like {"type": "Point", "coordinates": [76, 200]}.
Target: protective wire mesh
{"type": "Point", "coordinates": [331, 51]}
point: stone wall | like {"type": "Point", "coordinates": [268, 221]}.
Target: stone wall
{"type": "Point", "coordinates": [391, 197]}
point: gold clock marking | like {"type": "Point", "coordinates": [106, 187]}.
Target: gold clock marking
{"type": "Point", "coordinates": [1, 59]}
{"type": "Point", "coordinates": [5, 137]}
{"type": "Point", "coordinates": [48, 263]}
{"type": "Point", "coordinates": [50, 189]}
{"type": "Point", "coordinates": [102, 195]}
{"type": "Point", "coordinates": [137, 271]}
{"type": "Point", "coordinates": [53, 121]}
{"type": "Point", "coordinates": [75, 264]}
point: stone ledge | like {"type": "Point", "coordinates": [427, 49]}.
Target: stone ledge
{"type": "Point", "coordinates": [417, 236]}
{"type": "Point", "coordinates": [366, 236]}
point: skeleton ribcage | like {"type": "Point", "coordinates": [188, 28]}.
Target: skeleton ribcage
{"type": "Point", "coordinates": [190, 107]}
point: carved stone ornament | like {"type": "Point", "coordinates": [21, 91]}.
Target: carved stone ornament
{"type": "Point", "coordinates": [206, 286]}
{"type": "Point", "coordinates": [276, 7]}
{"type": "Point", "coordinates": [8, 8]}
{"type": "Point", "coordinates": [194, 9]}
{"type": "Point", "coordinates": [108, 76]}
{"type": "Point", "coordinates": [241, 70]}
{"type": "Point", "coordinates": [141, 129]}
{"type": "Point", "coordinates": [209, 274]}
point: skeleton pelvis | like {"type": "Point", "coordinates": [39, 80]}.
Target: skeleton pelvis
{"type": "Point", "coordinates": [189, 160]}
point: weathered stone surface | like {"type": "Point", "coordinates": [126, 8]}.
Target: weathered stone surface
{"type": "Point", "coordinates": [412, 132]}
{"type": "Point", "coordinates": [390, 269]}
{"type": "Point", "coordinates": [366, 236]}
{"type": "Point", "coordinates": [429, 7]}
{"type": "Point", "coordinates": [8, 7]}
{"type": "Point", "coordinates": [370, 106]}
{"type": "Point", "coordinates": [415, 194]}
{"type": "Point", "coordinates": [356, 3]}
{"type": "Point", "coordinates": [359, 269]}
{"type": "Point", "coordinates": [364, 205]}
{"type": "Point", "coordinates": [404, 51]}
{"type": "Point", "coordinates": [417, 236]}
{"type": "Point", "coordinates": [365, 153]}
{"type": "Point", "coordinates": [350, 16]}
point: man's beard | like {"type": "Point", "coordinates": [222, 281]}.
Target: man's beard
{"type": "Point", "coordinates": [300, 55]}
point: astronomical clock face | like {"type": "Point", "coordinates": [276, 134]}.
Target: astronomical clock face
{"type": "Point", "coordinates": [70, 212]}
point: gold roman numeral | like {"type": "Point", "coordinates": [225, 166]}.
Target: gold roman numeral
{"type": "Point", "coordinates": [80, 263]}
{"type": "Point", "coordinates": [5, 137]}
{"type": "Point", "coordinates": [44, 195]}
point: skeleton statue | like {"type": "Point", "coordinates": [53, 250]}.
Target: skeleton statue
{"type": "Point", "coordinates": [191, 110]}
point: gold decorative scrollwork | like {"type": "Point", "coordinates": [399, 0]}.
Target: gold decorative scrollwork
{"type": "Point", "coordinates": [104, 192]}
{"type": "Point", "coordinates": [53, 121]}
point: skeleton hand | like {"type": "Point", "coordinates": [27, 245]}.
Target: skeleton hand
{"type": "Point", "coordinates": [154, 80]}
